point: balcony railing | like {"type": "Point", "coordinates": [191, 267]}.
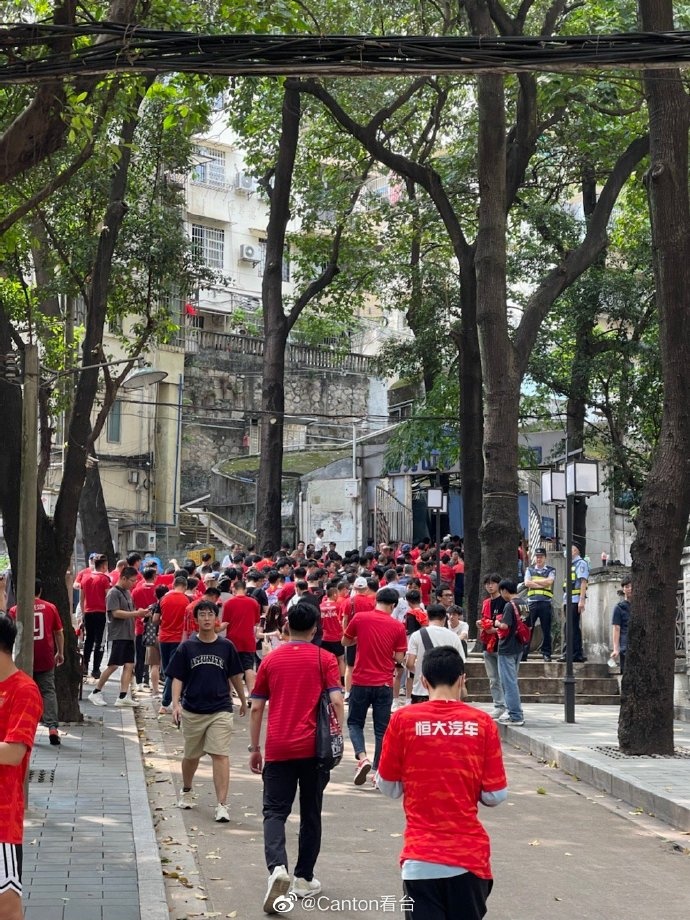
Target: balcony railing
{"type": "Point", "coordinates": [309, 356]}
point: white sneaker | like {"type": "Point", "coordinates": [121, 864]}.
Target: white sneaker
{"type": "Point", "coordinates": [222, 813]}
{"type": "Point", "coordinates": [497, 713]}
{"type": "Point", "coordinates": [278, 887]}
{"type": "Point", "coordinates": [126, 702]}
{"type": "Point", "coordinates": [186, 800]}
{"type": "Point", "coordinates": [97, 699]}
{"type": "Point", "coordinates": [304, 889]}
{"type": "Point", "coordinates": [504, 717]}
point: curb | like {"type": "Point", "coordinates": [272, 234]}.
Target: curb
{"type": "Point", "coordinates": [592, 768]}
{"type": "Point", "coordinates": [153, 902]}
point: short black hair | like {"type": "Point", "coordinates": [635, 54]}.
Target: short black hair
{"type": "Point", "coordinates": [413, 596]}
{"type": "Point", "coordinates": [8, 633]}
{"type": "Point", "coordinates": [507, 584]}
{"type": "Point", "coordinates": [204, 605]}
{"type": "Point", "coordinates": [189, 565]}
{"type": "Point", "coordinates": [211, 590]}
{"type": "Point", "coordinates": [302, 617]}
{"type": "Point", "coordinates": [387, 596]}
{"type": "Point", "coordinates": [436, 612]}
{"type": "Point", "coordinates": [128, 571]}
{"type": "Point", "coordinates": [626, 580]}
{"type": "Point", "coordinates": [149, 573]}
{"type": "Point", "coordinates": [38, 586]}
{"type": "Point", "coordinates": [442, 666]}
{"type": "Point", "coordinates": [160, 591]}
{"type": "Point", "coordinates": [181, 580]}
{"type": "Point", "coordinates": [133, 557]}
{"type": "Point", "coordinates": [493, 577]}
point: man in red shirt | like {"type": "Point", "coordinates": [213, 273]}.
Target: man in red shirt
{"type": "Point", "coordinates": [94, 588]}
{"type": "Point", "coordinates": [242, 614]}
{"type": "Point", "coordinates": [20, 710]}
{"type": "Point", "coordinates": [49, 653]}
{"type": "Point", "coordinates": [363, 598]}
{"type": "Point", "coordinates": [381, 641]}
{"type": "Point", "coordinates": [445, 758]}
{"type": "Point", "coordinates": [143, 595]}
{"type": "Point", "coordinates": [292, 677]}
{"type": "Point", "coordinates": [332, 624]}
{"type": "Point", "coordinates": [170, 632]}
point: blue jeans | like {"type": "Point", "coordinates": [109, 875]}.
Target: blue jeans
{"type": "Point", "coordinates": [491, 665]}
{"type": "Point", "coordinates": [508, 667]}
{"type": "Point", "coordinates": [361, 698]}
{"type": "Point", "coordinates": [168, 649]}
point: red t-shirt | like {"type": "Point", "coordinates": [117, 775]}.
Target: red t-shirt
{"type": "Point", "coordinates": [173, 607]}
{"type": "Point", "coordinates": [80, 576]}
{"type": "Point", "coordinates": [165, 579]}
{"type": "Point", "coordinates": [331, 621]}
{"type": "Point", "coordinates": [293, 678]}
{"type": "Point", "coordinates": [143, 596]}
{"type": "Point", "coordinates": [46, 622]}
{"type": "Point", "coordinates": [378, 636]}
{"type": "Point", "coordinates": [425, 586]}
{"type": "Point", "coordinates": [242, 613]}
{"type": "Point", "coordinates": [21, 706]}
{"type": "Point", "coordinates": [94, 589]}
{"type": "Point", "coordinates": [447, 574]}
{"type": "Point", "coordinates": [440, 804]}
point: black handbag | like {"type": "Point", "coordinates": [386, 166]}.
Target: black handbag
{"type": "Point", "coordinates": [330, 744]}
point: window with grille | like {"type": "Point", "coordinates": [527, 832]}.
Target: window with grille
{"type": "Point", "coordinates": [210, 170]}
{"type": "Point", "coordinates": [294, 437]}
{"type": "Point", "coordinates": [208, 244]}
{"type": "Point", "coordinates": [262, 260]}
{"type": "Point", "coordinates": [113, 429]}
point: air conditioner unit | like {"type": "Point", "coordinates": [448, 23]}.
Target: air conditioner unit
{"type": "Point", "coordinates": [144, 540]}
{"type": "Point", "coordinates": [245, 183]}
{"type": "Point", "coordinates": [249, 253]}
{"type": "Point", "coordinates": [133, 477]}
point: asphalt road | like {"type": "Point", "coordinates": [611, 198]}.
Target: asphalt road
{"type": "Point", "coordinates": [560, 850]}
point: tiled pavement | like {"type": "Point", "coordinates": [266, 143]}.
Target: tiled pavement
{"type": "Point", "coordinates": [90, 851]}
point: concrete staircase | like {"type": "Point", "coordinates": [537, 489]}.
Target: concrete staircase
{"type": "Point", "coordinates": [542, 682]}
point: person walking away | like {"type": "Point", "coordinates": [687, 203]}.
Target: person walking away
{"type": "Point", "coordinates": [170, 631]}
{"type": "Point", "coordinates": [49, 653]}
{"type": "Point", "coordinates": [94, 588]}
{"type": "Point", "coordinates": [143, 595]}
{"type": "Point", "coordinates": [509, 654]}
{"type": "Point", "coordinates": [381, 642]}
{"type": "Point", "coordinates": [445, 758]}
{"type": "Point", "coordinates": [363, 598]}
{"type": "Point", "coordinates": [121, 616]}
{"type": "Point", "coordinates": [242, 613]}
{"type": "Point", "coordinates": [332, 624]}
{"type": "Point", "coordinates": [20, 709]}
{"type": "Point", "coordinates": [203, 669]}
{"type": "Point", "coordinates": [422, 641]}
{"type": "Point", "coordinates": [579, 577]}
{"type": "Point", "coordinates": [291, 679]}
{"type": "Point", "coordinates": [487, 641]}
{"type": "Point", "coordinates": [620, 621]}
{"type": "Point", "coordinates": [539, 579]}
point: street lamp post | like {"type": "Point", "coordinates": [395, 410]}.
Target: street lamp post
{"type": "Point", "coordinates": [581, 477]}
{"type": "Point", "coordinates": [436, 501]}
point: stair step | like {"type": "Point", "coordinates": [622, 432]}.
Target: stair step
{"type": "Point", "coordinates": [584, 699]}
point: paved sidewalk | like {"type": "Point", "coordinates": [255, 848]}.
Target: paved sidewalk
{"type": "Point", "coordinates": [588, 750]}
{"type": "Point", "coordinates": [90, 852]}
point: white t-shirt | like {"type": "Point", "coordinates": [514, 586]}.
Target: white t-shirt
{"type": "Point", "coordinates": [439, 635]}
{"type": "Point", "coordinates": [462, 630]}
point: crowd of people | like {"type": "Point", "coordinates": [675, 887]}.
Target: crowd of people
{"type": "Point", "coordinates": [376, 630]}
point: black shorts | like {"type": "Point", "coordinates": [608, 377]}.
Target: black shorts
{"type": "Point", "coordinates": [247, 660]}
{"type": "Point", "coordinates": [337, 648]}
{"type": "Point", "coordinates": [11, 868]}
{"type": "Point", "coordinates": [121, 652]}
{"type": "Point", "coordinates": [350, 654]}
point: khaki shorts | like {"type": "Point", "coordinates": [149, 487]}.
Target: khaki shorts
{"type": "Point", "coordinates": [206, 733]}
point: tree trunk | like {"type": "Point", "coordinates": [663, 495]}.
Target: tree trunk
{"type": "Point", "coordinates": [500, 532]}
{"type": "Point", "coordinates": [93, 514]}
{"type": "Point", "coordinates": [471, 440]}
{"type": "Point", "coordinates": [646, 716]}
{"type": "Point", "coordinates": [276, 329]}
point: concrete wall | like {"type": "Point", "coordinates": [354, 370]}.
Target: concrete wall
{"type": "Point", "coordinates": [602, 597]}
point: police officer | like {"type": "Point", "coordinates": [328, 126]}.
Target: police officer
{"type": "Point", "coordinates": [579, 576]}
{"type": "Point", "coordinates": [539, 579]}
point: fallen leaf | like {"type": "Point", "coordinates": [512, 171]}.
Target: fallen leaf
{"type": "Point", "coordinates": [369, 830]}
{"type": "Point", "coordinates": [535, 843]}
{"type": "Point", "coordinates": [233, 914]}
{"type": "Point", "coordinates": [567, 854]}
{"type": "Point", "coordinates": [396, 835]}
{"type": "Point", "coordinates": [541, 790]}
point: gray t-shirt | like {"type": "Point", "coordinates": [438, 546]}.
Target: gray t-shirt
{"type": "Point", "coordinates": [117, 599]}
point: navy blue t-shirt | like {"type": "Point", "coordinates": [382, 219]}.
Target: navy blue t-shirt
{"type": "Point", "coordinates": [205, 668]}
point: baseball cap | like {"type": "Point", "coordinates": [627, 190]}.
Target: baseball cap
{"type": "Point", "coordinates": [359, 582]}
{"type": "Point", "coordinates": [211, 576]}
{"type": "Point", "coordinates": [93, 555]}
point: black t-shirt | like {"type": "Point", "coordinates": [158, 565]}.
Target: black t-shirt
{"type": "Point", "coordinates": [509, 644]}
{"type": "Point", "coordinates": [497, 605]}
{"type": "Point", "coordinates": [205, 668]}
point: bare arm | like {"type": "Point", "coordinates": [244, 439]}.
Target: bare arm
{"type": "Point", "coordinates": [237, 682]}
{"type": "Point", "coordinates": [410, 661]}
{"type": "Point", "coordinates": [338, 706]}
{"type": "Point", "coordinates": [616, 640]}
{"type": "Point", "coordinates": [59, 636]}
{"type": "Point", "coordinates": [347, 641]}
{"type": "Point", "coordinates": [11, 753]}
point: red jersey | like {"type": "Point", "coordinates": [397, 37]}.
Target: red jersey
{"type": "Point", "coordinates": [441, 803]}
{"type": "Point", "coordinates": [378, 636]}
{"type": "Point", "coordinates": [94, 589]}
{"type": "Point", "coordinates": [425, 587]}
{"type": "Point", "coordinates": [242, 614]}
{"type": "Point", "coordinates": [21, 706]}
{"type": "Point", "coordinates": [293, 677]}
{"type": "Point", "coordinates": [80, 576]}
{"type": "Point", "coordinates": [191, 624]}
{"type": "Point", "coordinates": [143, 596]}
{"type": "Point", "coordinates": [173, 606]}
{"type": "Point", "coordinates": [447, 574]}
{"type": "Point", "coordinates": [165, 579]}
{"type": "Point", "coordinates": [331, 621]}
{"type": "Point", "coordinates": [46, 622]}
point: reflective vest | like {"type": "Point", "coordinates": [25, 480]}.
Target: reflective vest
{"type": "Point", "coordinates": [574, 582]}
{"type": "Point", "coordinates": [541, 593]}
